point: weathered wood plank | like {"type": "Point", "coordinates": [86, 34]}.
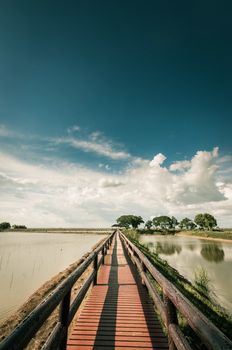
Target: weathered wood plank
{"type": "Point", "coordinates": [178, 338]}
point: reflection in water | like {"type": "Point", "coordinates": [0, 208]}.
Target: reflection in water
{"type": "Point", "coordinates": [167, 248]}
{"type": "Point", "coordinates": [212, 252]}
{"type": "Point", "coordinates": [191, 247]}
{"type": "Point", "coordinates": [215, 258]}
{"type": "Point", "coordinates": [150, 245]}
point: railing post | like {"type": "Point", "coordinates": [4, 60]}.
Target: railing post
{"type": "Point", "coordinates": [95, 263]}
{"type": "Point", "coordinates": [171, 318]}
{"type": "Point", "coordinates": [143, 269]}
{"type": "Point", "coordinates": [103, 254]}
{"type": "Point", "coordinates": [64, 316]}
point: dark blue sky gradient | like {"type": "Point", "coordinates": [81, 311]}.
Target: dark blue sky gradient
{"type": "Point", "coordinates": [155, 76]}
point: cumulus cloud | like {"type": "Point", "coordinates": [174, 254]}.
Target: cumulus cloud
{"type": "Point", "coordinates": [157, 160]}
{"type": "Point", "coordinates": [225, 159]}
{"type": "Point", "coordinates": [110, 183]}
{"type": "Point", "coordinates": [198, 183]}
{"type": "Point", "coordinates": [180, 165]}
{"type": "Point", "coordinates": [65, 194]}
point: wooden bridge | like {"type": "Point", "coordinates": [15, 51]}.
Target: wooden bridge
{"type": "Point", "coordinates": [118, 314]}
{"type": "Point", "coordinates": [120, 311]}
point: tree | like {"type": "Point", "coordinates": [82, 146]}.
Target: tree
{"type": "Point", "coordinates": [4, 226]}
{"type": "Point", "coordinates": [136, 221]}
{"type": "Point", "coordinates": [187, 224]}
{"type": "Point", "coordinates": [174, 221]}
{"type": "Point", "coordinates": [205, 221]}
{"type": "Point", "coordinates": [210, 221]}
{"type": "Point", "coordinates": [124, 221]}
{"type": "Point", "coordinates": [199, 220]}
{"type": "Point", "coordinates": [130, 220]}
{"type": "Point", "coordinates": [148, 224]}
{"type": "Point", "coordinates": [164, 222]}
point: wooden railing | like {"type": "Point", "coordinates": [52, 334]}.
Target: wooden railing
{"type": "Point", "coordinates": [171, 302]}
{"type": "Point", "coordinates": [57, 340]}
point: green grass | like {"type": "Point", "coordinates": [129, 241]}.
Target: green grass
{"type": "Point", "coordinates": [198, 293]}
{"type": "Point", "coordinates": [209, 234]}
{"type": "Point", "coordinates": [202, 282]}
{"type": "Point", "coordinates": [221, 234]}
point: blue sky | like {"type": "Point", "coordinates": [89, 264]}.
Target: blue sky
{"type": "Point", "coordinates": [100, 89]}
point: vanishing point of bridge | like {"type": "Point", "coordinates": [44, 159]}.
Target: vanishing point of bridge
{"type": "Point", "coordinates": [120, 311]}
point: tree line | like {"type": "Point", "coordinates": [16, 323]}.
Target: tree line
{"type": "Point", "coordinates": [201, 221]}
{"type": "Point", "coordinates": [7, 226]}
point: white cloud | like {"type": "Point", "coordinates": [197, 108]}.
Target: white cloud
{"type": "Point", "coordinates": [100, 147]}
{"type": "Point", "coordinates": [198, 183]}
{"type": "Point", "coordinates": [180, 165]}
{"type": "Point", "coordinates": [65, 194]}
{"type": "Point", "coordinates": [110, 183]}
{"type": "Point", "coordinates": [157, 160]}
{"type": "Point", "coordinates": [94, 143]}
{"type": "Point", "coordinates": [73, 129]}
{"type": "Point", "coordinates": [215, 152]}
{"type": "Point", "coordinates": [225, 159]}
{"type": "Point", "coordinates": [96, 135]}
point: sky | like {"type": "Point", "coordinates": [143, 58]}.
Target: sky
{"type": "Point", "coordinates": [114, 107]}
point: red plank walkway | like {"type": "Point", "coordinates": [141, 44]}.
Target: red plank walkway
{"type": "Point", "coordinates": [118, 314]}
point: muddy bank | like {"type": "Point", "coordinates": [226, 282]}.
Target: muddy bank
{"type": "Point", "coordinates": [7, 326]}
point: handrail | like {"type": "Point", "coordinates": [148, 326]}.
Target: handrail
{"type": "Point", "coordinates": [174, 300]}
{"type": "Point", "coordinates": [25, 331]}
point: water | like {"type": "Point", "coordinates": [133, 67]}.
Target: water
{"type": "Point", "coordinates": [27, 260]}
{"type": "Point", "coordinates": [186, 254]}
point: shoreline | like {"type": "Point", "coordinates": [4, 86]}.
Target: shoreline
{"type": "Point", "coordinates": [204, 238]}
{"type": "Point", "coordinates": [62, 231]}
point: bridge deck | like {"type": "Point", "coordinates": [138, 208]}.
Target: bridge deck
{"type": "Point", "coordinates": [118, 314]}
